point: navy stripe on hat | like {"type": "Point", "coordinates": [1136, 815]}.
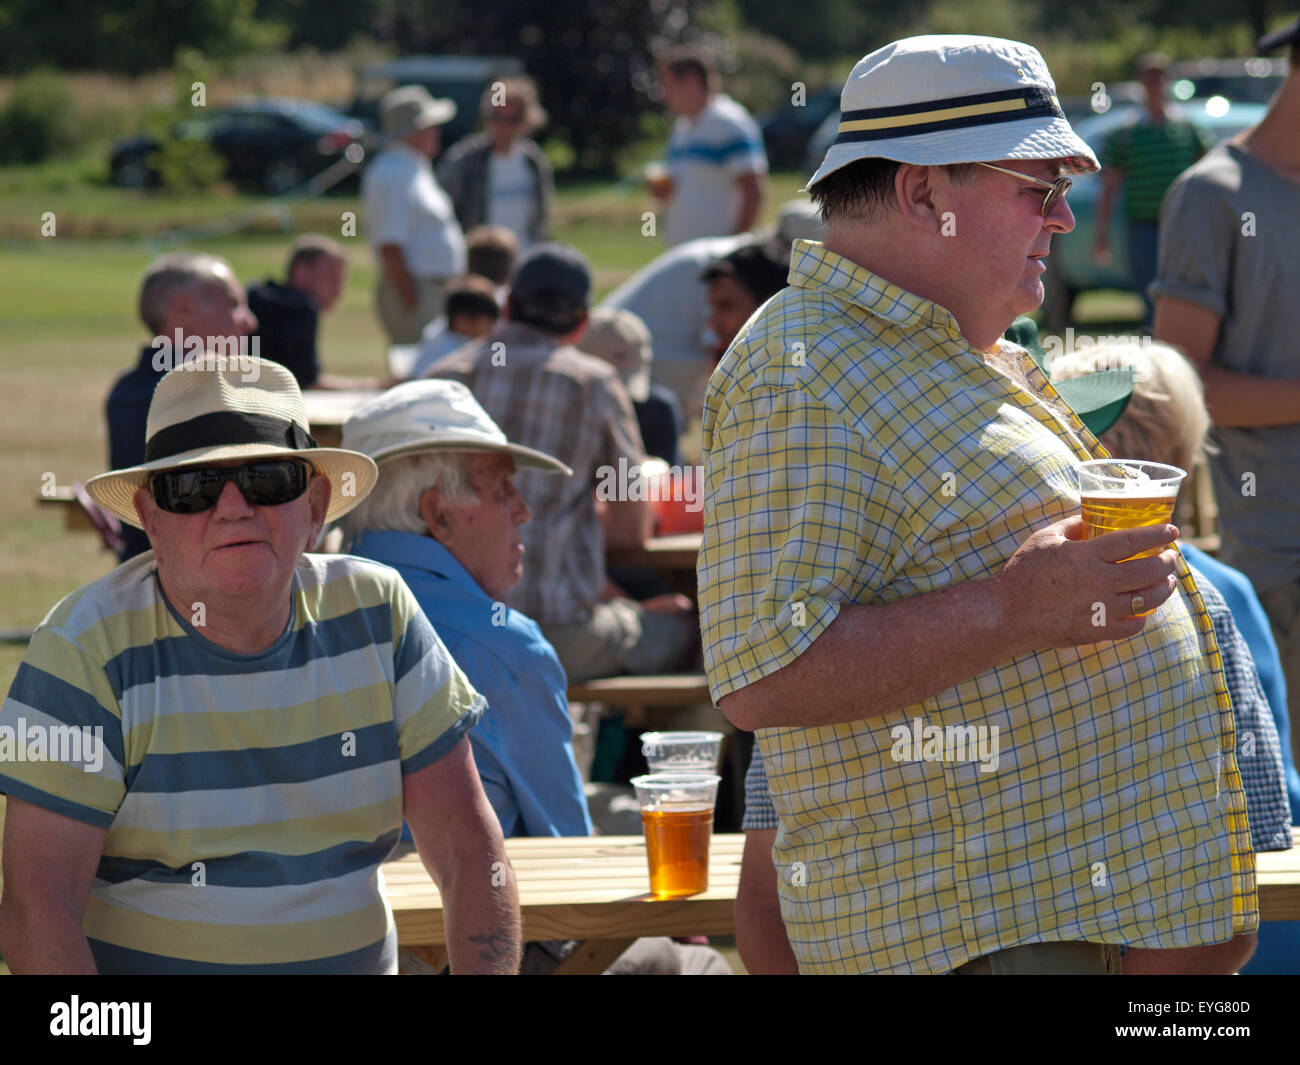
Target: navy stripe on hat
{"type": "Point", "coordinates": [224, 428]}
{"type": "Point", "coordinates": [955, 112]}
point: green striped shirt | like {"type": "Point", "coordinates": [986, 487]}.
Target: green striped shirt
{"type": "Point", "coordinates": [1151, 155]}
{"type": "Point", "coordinates": [249, 799]}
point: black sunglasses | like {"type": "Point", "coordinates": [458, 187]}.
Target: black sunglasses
{"type": "Point", "coordinates": [268, 483]}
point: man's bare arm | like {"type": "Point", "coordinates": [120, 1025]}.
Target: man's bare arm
{"type": "Point", "coordinates": [459, 841]}
{"type": "Point", "coordinates": [1218, 959]}
{"type": "Point", "coordinates": [49, 866]}
{"type": "Point", "coordinates": [750, 187]}
{"type": "Point", "coordinates": [628, 522]}
{"type": "Point", "coordinates": [875, 659]}
{"type": "Point", "coordinates": [1234, 399]}
{"type": "Point", "coordinates": [1112, 179]}
{"type": "Point", "coordinates": [393, 262]}
{"type": "Point", "coordinates": [760, 933]}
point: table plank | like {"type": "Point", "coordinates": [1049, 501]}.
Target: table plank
{"type": "Point", "coordinates": [580, 888]}
{"type": "Point", "coordinates": [598, 888]}
{"type": "Point", "coordinates": [677, 552]}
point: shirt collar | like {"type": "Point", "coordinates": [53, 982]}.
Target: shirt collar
{"type": "Point", "coordinates": [813, 266]}
{"type": "Point", "coordinates": [411, 551]}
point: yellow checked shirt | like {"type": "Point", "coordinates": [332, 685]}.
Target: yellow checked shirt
{"type": "Point", "coordinates": [858, 450]}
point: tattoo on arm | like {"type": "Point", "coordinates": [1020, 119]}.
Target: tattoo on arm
{"type": "Point", "coordinates": [496, 945]}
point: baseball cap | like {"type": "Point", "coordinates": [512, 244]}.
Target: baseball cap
{"type": "Point", "coordinates": [956, 98]}
{"type": "Point", "coordinates": [551, 284]}
{"type": "Point", "coordinates": [404, 110]}
{"type": "Point", "coordinates": [621, 338]}
{"type": "Point", "coordinates": [1271, 42]}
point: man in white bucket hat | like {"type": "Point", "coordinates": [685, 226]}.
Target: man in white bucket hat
{"type": "Point", "coordinates": [252, 722]}
{"type": "Point", "coordinates": [947, 680]}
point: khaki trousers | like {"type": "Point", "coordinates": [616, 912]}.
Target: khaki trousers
{"type": "Point", "coordinates": [1047, 959]}
{"type": "Point", "coordinates": [405, 324]}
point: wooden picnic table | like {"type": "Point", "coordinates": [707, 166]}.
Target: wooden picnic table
{"type": "Point", "coordinates": [593, 889]}
{"type": "Point", "coordinates": [677, 552]}
{"type": "Point", "coordinates": [328, 410]}
{"type": "Point", "coordinates": [596, 890]}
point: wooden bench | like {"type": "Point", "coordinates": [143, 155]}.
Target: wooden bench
{"type": "Point", "coordinates": [667, 690]}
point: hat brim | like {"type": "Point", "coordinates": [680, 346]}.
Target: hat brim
{"type": "Point", "coordinates": [1279, 38]}
{"type": "Point", "coordinates": [524, 456]}
{"type": "Point", "coordinates": [438, 114]}
{"type": "Point", "coordinates": [1098, 398]}
{"type": "Point", "coordinates": [1029, 138]}
{"type": "Point", "coordinates": [115, 490]}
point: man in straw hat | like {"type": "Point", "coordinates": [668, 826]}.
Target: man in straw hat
{"type": "Point", "coordinates": [251, 723]}
{"type": "Point", "coordinates": [408, 218]}
{"type": "Point", "coordinates": [947, 679]}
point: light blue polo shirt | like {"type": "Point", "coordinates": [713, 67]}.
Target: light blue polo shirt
{"type": "Point", "coordinates": [523, 744]}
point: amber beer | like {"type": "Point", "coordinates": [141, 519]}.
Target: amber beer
{"type": "Point", "coordinates": [677, 817]}
{"type": "Point", "coordinates": [1127, 494]}
{"type": "Point", "coordinates": [1105, 512]}
{"type": "Point", "coordinates": [677, 843]}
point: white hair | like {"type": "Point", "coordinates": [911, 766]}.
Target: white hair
{"type": "Point", "coordinates": [176, 273]}
{"type": "Point", "coordinates": [394, 503]}
{"type": "Point", "coordinates": [1166, 420]}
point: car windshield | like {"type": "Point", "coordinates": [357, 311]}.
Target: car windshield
{"type": "Point", "coordinates": [314, 117]}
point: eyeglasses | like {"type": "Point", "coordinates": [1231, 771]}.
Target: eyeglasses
{"type": "Point", "coordinates": [269, 483]}
{"type": "Point", "coordinates": [1055, 189]}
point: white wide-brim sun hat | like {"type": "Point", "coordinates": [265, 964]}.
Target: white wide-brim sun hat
{"type": "Point", "coordinates": [214, 409]}
{"type": "Point", "coordinates": [433, 415]}
{"type": "Point", "coordinates": [944, 99]}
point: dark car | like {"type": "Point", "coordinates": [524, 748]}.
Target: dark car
{"type": "Point", "coordinates": [271, 143]}
{"type": "Point", "coordinates": [459, 78]}
{"type": "Point", "coordinates": [786, 132]}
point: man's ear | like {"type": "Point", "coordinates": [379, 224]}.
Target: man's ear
{"type": "Point", "coordinates": [142, 501]}
{"type": "Point", "coordinates": [318, 498]}
{"type": "Point", "coordinates": [431, 513]}
{"type": "Point", "coordinates": [914, 193]}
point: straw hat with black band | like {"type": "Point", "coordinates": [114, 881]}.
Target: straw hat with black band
{"type": "Point", "coordinates": [214, 410]}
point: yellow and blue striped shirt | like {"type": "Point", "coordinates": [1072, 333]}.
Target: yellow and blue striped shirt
{"type": "Point", "coordinates": [858, 450]}
{"type": "Point", "coordinates": [248, 799]}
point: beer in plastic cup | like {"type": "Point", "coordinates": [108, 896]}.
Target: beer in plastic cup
{"type": "Point", "coordinates": [1127, 494]}
{"type": "Point", "coordinates": [659, 181]}
{"type": "Point", "coordinates": [681, 752]}
{"type": "Point", "coordinates": [677, 816]}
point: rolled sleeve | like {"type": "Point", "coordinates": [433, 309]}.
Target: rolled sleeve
{"type": "Point", "coordinates": [387, 202]}
{"type": "Point", "coordinates": [1197, 236]}
{"type": "Point", "coordinates": [434, 703]}
{"type": "Point", "coordinates": [62, 704]}
{"type": "Point", "coordinates": [800, 518]}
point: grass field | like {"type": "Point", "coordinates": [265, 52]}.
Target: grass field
{"type": "Point", "coordinates": [70, 330]}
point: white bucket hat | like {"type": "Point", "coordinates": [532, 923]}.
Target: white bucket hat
{"type": "Point", "coordinates": [433, 415]}
{"type": "Point", "coordinates": [953, 99]}
{"type": "Point", "coordinates": [214, 409]}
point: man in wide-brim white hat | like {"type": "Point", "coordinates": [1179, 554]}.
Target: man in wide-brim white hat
{"type": "Point", "coordinates": [211, 750]}
{"type": "Point", "coordinates": [894, 571]}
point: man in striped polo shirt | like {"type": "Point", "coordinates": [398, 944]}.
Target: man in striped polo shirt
{"type": "Point", "coordinates": [1142, 159]}
{"type": "Point", "coordinates": [209, 752]}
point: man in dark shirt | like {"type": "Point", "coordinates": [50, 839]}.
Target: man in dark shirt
{"type": "Point", "coordinates": [288, 314]}
{"type": "Point", "coordinates": [190, 303]}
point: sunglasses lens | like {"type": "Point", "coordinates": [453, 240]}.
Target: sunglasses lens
{"type": "Point", "coordinates": [271, 484]}
{"type": "Point", "coordinates": [263, 484]}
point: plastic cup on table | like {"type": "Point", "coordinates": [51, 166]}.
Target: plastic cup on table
{"type": "Point", "coordinates": [677, 817]}
{"type": "Point", "coordinates": [681, 752]}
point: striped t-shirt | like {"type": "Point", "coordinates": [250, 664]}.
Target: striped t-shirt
{"type": "Point", "coordinates": [249, 799]}
{"type": "Point", "coordinates": [1151, 154]}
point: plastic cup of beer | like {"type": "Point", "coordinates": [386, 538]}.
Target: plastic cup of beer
{"type": "Point", "coordinates": [677, 816]}
{"type": "Point", "coordinates": [681, 752]}
{"type": "Point", "coordinates": [1127, 494]}
{"type": "Point", "coordinates": [659, 180]}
